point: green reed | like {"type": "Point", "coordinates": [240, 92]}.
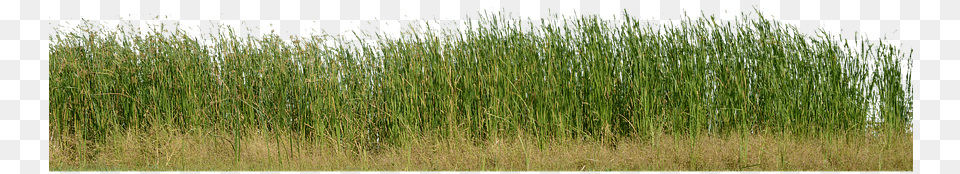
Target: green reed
{"type": "Point", "coordinates": [570, 78]}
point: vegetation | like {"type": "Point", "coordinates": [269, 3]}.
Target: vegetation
{"type": "Point", "coordinates": [165, 151]}
{"type": "Point", "coordinates": [567, 80]}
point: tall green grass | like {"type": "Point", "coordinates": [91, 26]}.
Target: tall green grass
{"type": "Point", "coordinates": [571, 78]}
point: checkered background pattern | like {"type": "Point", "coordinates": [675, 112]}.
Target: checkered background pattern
{"type": "Point", "coordinates": [922, 25]}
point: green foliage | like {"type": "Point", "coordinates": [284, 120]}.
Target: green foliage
{"type": "Point", "coordinates": [582, 78]}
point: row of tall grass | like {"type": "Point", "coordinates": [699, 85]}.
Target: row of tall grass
{"type": "Point", "coordinates": [566, 78]}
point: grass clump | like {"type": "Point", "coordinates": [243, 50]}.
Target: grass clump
{"type": "Point", "coordinates": [583, 79]}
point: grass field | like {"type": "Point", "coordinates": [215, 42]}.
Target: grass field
{"type": "Point", "coordinates": [575, 93]}
{"type": "Point", "coordinates": [165, 151]}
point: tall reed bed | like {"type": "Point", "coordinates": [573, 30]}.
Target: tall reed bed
{"type": "Point", "coordinates": [570, 78]}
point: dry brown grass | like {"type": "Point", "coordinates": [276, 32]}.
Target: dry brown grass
{"type": "Point", "coordinates": [195, 151]}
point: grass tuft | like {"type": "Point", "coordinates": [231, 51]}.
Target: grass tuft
{"type": "Point", "coordinates": [578, 78]}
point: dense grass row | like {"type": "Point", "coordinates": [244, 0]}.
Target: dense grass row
{"type": "Point", "coordinates": [573, 78]}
